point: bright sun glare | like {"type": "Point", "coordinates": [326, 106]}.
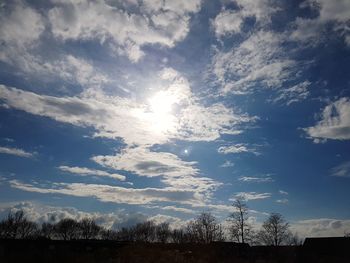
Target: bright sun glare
{"type": "Point", "coordinates": [161, 103]}
{"type": "Point", "coordinates": [161, 116]}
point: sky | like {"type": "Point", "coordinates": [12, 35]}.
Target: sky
{"type": "Point", "coordinates": [159, 110]}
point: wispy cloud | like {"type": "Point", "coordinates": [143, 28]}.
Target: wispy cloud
{"type": "Point", "coordinates": [144, 162]}
{"type": "Point", "coordinates": [252, 195]}
{"type": "Point", "coordinates": [133, 121]}
{"type": "Point", "coordinates": [173, 171]}
{"type": "Point", "coordinates": [175, 209]}
{"type": "Point", "coordinates": [17, 152]}
{"type": "Point", "coordinates": [40, 213]}
{"type": "Point", "coordinates": [88, 171]}
{"type": "Point", "coordinates": [178, 209]}
{"type": "Point", "coordinates": [282, 201]}
{"type": "Point", "coordinates": [321, 227]}
{"type": "Point", "coordinates": [21, 28]}
{"type": "Point", "coordinates": [260, 59]}
{"type": "Point", "coordinates": [114, 194]}
{"type": "Point", "coordinates": [282, 192]}
{"type": "Point", "coordinates": [227, 164]}
{"type": "Point", "coordinates": [231, 21]}
{"type": "Point", "coordinates": [294, 94]}
{"type": "Point", "coordinates": [254, 179]}
{"type": "Point", "coordinates": [131, 30]}
{"type": "Point", "coordinates": [342, 170]}
{"type": "Point", "coordinates": [334, 123]}
{"type": "Point", "coordinates": [237, 148]}
{"type": "Point", "coordinates": [331, 14]}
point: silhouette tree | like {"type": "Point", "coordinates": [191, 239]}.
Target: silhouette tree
{"type": "Point", "coordinates": [126, 234]}
{"type": "Point", "coordinates": [205, 229]}
{"type": "Point", "coordinates": [108, 234]}
{"type": "Point", "coordinates": [47, 230]}
{"type": "Point", "coordinates": [239, 228]}
{"type": "Point", "coordinates": [178, 236]}
{"type": "Point", "coordinates": [67, 229]}
{"type": "Point", "coordinates": [144, 232]}
{"type": "Point", "coordinates": [294, 240]}
{"type": "Point", "coordinates": [88, 228]}
{"type": "Point", "coordinates": [16, 225]}
{"type": "Point", "coordinates": [27, 229]}
{"type": "Point", "coordinates": [275, 230]}
{"type": "Point", "coordinates": [163, 232]}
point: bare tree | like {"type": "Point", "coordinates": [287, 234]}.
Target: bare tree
{"type": "Point", "coordinates": [16, 225]}
{"type": "Point", "coordinates": [109, 234]}
{"type": "Point", "coordinates": [67, 229]}
{"type": "Point", "coordinates": [144, 232]}
{"type": "Point", "coordinates": [275, 230]}
{"type": "Point", "coordinates": [205, 229]}
{"type": "Point", "coordinates": [163, 232]}
{"type": "Point", "coordinates": [126, 234]}
{"type": "Point", "coordinates": [47, 230]}
{"type": "Point", "coordinates": [178, 236]}
{"type": "Point", "coordinates": [88, 228]}
{"type": "Point", "coordinates": [294, 240]}
{"type": "Point", "coordinates": [239, 228]}
{"type": "Point", "coordinates": [27, 229]}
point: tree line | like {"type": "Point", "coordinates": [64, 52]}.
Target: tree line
{"type": "Point", "coordinates": [205, 228]}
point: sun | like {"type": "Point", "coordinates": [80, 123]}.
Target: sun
{"type": "Point", "coordinates": [161, 103]}
{"type": "Point", "coordinates": [161, 116]}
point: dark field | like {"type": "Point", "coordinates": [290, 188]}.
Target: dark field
{"type": "Point", "coordinates": [332, 250]}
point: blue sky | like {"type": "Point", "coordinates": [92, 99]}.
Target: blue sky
{"type": "Point", "coordinates": [149, 109]}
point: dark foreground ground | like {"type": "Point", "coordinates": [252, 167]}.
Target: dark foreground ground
{"type": "Point", "coordinates": [319, 251]}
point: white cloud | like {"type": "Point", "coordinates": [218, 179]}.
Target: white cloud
{"type": "Point", "coordinates": [21, 28]}
{"type": "Point", "coordinates": [282, 201]}
{"type": "Point", "coordinates": [260, 59]}
{"type": "Point", "coordinates": [227, 164]}
{"type": "Point", "coordinates": [79, 70]}
{"type": "Point", "coordinates": [178, 209]}
{"type": "Point", "coordinates": [41, 213]}
{"type": "Point", "coordinates": [312, 31]}
{"type": "Point", "coordinates": [174, 172]}
{"type": "Point", "coordinates": [226, 22]}
{"type": "Point", "coordinates": [252, 195]}
{"type": "Point", "coordinates": [342, 170]}
{"type": "Point", "coordinates": [111, 117]}
{"type": "Point", "coordinates": [252, 179]}
{"type": "Point", "coordinates": [144, 162]}
{"type": "Point", "coordinates": [173, 221]}
{"type": "Point", "coordinates": [321, 227]}
{"type": "Point", "coordinates": [237, 148]}
{"type": "Point", "coordinates": [16, 151]}
{"type": "Point", "coordinates": [136, 122]}
{"type": "Point", "coordinates": [155, 22]}
{"type": "Point", "coordinates": [114, 194]}
{"type": "Point", "coordinates": [20, 25]}
{"type": "Point", "coordinates": [230, 21]}
{"type": "Point", "coordinates": [283, 192]}
{"type": "Point", "coordinates": [67, 68]}
{"type": "Point", "coordinates": [261, 10]}
{"type": "Point", "coordinates": [307, 31]}
{"type": "Point", "coordinates": [139, 125]}
{"type": "Point", "coordinates": [334, 123]}
{"type": "Point", "coordinates": [294, 94]}
{"type": "Point", "coordinates": [87, 171]}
